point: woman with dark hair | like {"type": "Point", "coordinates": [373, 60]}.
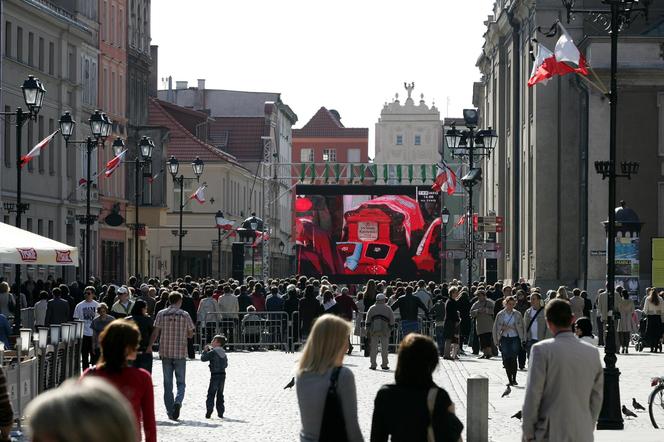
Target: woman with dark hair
{"type": "Point", "coordinates": [583, 329]}
{"type": "Point", "coordinates": [119, 343]}
{"type": "Point", "coordinates": [139, 314]}
{"type": "Point", "coordinates": [415, 408]}
{"type": "Point", "coordinates": [162, 303]}
{"type": "Point", "coordinates": [653, 308]}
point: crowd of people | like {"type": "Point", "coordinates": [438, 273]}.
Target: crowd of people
{"type": "Point", "coordinates": [124, 323]}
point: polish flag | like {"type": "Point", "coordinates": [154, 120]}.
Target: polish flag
{"type": "Point", "coordinates": [446, 179]}
{"type": "Point", "coordinates": [36, 151]}
{"type": "Point", "coordinates": [544, 68]}
{"type": "Point", "coordinates": [114, 163]}
{"type": "Point", "coordinates": [199, 195]}
{"type": "Point", "coordinates": [153, 177]}
{"type": "Point", "coordinates": [226, 224]}
{"type": "Point", "coordinates": [568, 54]}
{"type": "Point", "coordinates": [461, 221]}
{"type": "Point", "coordinates": [260, 237]}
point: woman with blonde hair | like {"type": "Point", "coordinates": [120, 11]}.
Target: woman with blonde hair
{"type": "Point", "coordinates": [89, 410]}
{"type": "Point", "coordinates": [562, 293]}
{"type": "Point", "coordinates": [325, 389]}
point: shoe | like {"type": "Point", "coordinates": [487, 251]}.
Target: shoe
{"type": "Point", "coordinates": [220, 416]}
{"type": "Point", "coordinates": [176, 411]}
{"type": "Point", "coordinates": [208, 415]}
{"type": "Point", "coordinates": [373, 367]}
{"type": "Point", "coordinates": [385, 367]}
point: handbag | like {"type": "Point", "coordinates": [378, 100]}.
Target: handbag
{"type": "Point", "coordinates": [452, 425]}
{"type": "Point", "coordinates": [333, 425]}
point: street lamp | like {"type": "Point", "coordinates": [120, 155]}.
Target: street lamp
{"type": "Point", "coordinates": [621, 14]}
{"type": "Point", "coordinates": [100, 128]}
{"type": "Point", "coordinates": [173, 167]}
{"type": "Point", "coordinates": [248, 234]}
{"type": "Point", "coordinates": [219, 220]}
{"type": "Point", "coordinates": [33, 96]}
{"type": "Point", "coordinates": [444, 219]}
{"type": "Point", "coordinates": [143, 160]}
{"type": "Point", "coordinates": [470, 143]}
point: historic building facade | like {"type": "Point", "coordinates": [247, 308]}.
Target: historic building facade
{"type": "Point", "coordinates": [542, 178]}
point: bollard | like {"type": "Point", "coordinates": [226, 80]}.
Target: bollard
{"type": "Point", "coordinates": [477, 417]}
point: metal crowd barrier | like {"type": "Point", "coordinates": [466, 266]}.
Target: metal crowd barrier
{"type": "Point", "coordinates": [275, 330]}
{"type": "Point", "coordinates": [252, 331]}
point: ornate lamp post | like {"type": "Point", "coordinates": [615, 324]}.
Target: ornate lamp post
{"type": "Point", "coordinates": [100, 128]}
{"type": "Point", "coordinates": [33, 96]}
{"type": "Point", "coordinates": [444, 219]}
{"type": "Point", "coordinates": [173, 167]}
{"type": "Point", "coordinates": [621, 14]}
{"type": "Point", "coordinates": [143, 159]}
{"type": "Point", "coordinates": [471, 144]}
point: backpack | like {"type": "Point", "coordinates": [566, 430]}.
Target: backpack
{"type": "Point", "coordinates": [333, 426]}
{"type": "Point", "coordinates": [380, 325]}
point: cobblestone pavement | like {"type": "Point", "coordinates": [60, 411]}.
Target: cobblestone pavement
{"type": "Point", "coordinates": [259, 409]}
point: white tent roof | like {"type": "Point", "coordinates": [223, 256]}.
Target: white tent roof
{"type": "Point", "coordinates": [18, 246]}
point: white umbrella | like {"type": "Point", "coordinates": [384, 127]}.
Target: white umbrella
{"type": "Point", "coordinates": [18, 246]}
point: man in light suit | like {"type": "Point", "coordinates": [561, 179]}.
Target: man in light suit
{"type": "Point", "coordinates": [562, 402]}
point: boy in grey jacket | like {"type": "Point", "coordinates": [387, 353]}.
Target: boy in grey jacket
{"type": "Point", "coordinates": [214, 352]}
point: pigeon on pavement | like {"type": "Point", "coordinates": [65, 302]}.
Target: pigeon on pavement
{"type": "Point", "coordinates": [517, 415]}
{"type": "Point", "coordinates": [290, 384]}
{"type": "Point", "coordinates": [627, 412]}
{"type": "Point", "coordinates": [636, 405]}
{"type": "Point", "coordinates": [507, 391]}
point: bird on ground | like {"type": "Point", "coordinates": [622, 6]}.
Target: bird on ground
{"type": "Point", "coordinates": [517, 415]}
{"type": "Point", "coordinates": [507, 391]}
{"type": "Point", "coordinates": [290, 384]}
{"type": "Point", "coordinates": [637, 406]}
{"type": "Point", "coordinates": [627, 412]}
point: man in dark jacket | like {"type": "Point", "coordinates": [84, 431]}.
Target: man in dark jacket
{"type": "Point", "coordinates": [189, 307]}
{"type": "Point", "coordinates": [57, 309]}
{"type": "Point", "coordinates": [310, 308]}
{"type": "Point", "coordinates": [408, 304]}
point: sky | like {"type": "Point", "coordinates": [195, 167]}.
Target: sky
{"type": "Point", "coordinates": [348, 55]}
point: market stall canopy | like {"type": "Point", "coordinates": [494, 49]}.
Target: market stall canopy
{"type": "Point", "coordinates": [18, 246]}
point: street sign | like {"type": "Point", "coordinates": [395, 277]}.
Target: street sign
{"type": "Point", "coordinates": [489, 224]}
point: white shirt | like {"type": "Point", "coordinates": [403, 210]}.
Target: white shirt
{"type": "Point", "coordinates": [86, 311]}
{"type": "Point", "coordinates": [509, 321]}
{"type": "Point", "coordinates": [533, 325]}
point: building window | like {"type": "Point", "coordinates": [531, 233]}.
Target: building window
{"type": "Point", "coordinates": [19, 43]}
{"type": "Point", "coordinates": [8, 39]}
{"type": "Point", "coordinates": [307, 155]}
{"type": "Point", "coordinates": [329, 155]}
{"type": "Point", "coordinates": [7, 151]}
{"type": "Point", "coordinates": [418, 140]}
{"type": "Point", "coordinates": [40, 55]}
{"type": "Point", "coordinates": [399, 140]}
{"type": "Point", "coordinates": [31, 49]}
{"type": "Point", "coordinates": [189, 188]}
{"type": "Point", "coordinates": [28, 225]}
{"type": "Point", "coordinates": [120, 28]}
{"type": "Point", "coordinates": [353, 155]}
{"type": "Point", "coordinates": [50, 229]}
{"type": "Point", "coordinates": [71, 62]}
{"type": "Point", "coordinates": [51, 58]}
{"type": "Point", "coordinates": [112, 24]}
{"type": "Point", "coordinates": [40, 227]}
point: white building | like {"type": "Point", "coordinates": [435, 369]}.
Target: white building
{"type": "Point", "coordinates": [408, 133]}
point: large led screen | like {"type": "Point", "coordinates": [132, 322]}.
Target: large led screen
{"type": "Point", "coordinates": [353, 233]}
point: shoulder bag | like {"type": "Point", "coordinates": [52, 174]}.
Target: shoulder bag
{"type": "Point", "coordinates": [333, 425]}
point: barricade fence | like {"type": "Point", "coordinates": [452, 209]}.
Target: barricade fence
{"type": "Point", "coordinates": [279, 331]}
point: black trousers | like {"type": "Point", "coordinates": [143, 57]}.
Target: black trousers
{"type": "Point", "coordinates": [86, 352]}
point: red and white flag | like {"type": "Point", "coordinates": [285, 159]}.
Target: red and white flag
{"type": "Point", "coordinates": [154, 177]}
{"type": "Point", "coordinates": [199, 195]}
{"type": "Point", "coordinates": [114, 163]}
{"type": "Point", "coordinates": [260, 237]}
{"type": "Point", "coordinates": [446, 179]}
{"type": "Point", "coordinates": [567, 53]}
{"type": "Point", "coordinates": [225, 224]}
{"type": "Point", "coordinates": [461, 221]}
{"type": "Point", "coordinates": [544, 68]}
{"type": "Point", "coordinates": [36, 151]}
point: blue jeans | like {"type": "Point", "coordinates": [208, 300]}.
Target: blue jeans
{"type": "Point", "coordinates": [409, 327]}
{"type": "Point", "coordinates": [216, 388]}
{"type": "Point", "coordinates": [440, 339]}
{"type": "Point", "coordinates": [179, 366]}
{"type": "Point", "coordinates": [509, 347]}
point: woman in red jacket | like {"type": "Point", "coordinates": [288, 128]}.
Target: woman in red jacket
{"type": "Point", "coordinates": [119, 343]}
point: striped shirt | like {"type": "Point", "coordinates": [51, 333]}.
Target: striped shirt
{"type": "Point", "coordinates": [174, 325]}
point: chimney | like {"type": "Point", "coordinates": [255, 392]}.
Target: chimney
{"type": "Point", "coordinates": [201, 84]}
{"type": "Point", "coordinates": [181, 85]}
{"type": "Point", "coordinates": [199, 100]}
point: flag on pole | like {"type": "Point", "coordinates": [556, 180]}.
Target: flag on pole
{"type": "Point", "coordinates": [199, 195]}
{"type": "Point", "coordinates": [225, 224]}
{"type": "Point", "coordinates": [567, 52]}
{"type": "Point", "coordinates": [154, 177]}
{"type": "Point", "coordinates": [114, 163]}
{"type": "Point", "coordinates": [544, 67]}
{"type": "Point", "coordinates": [461, 221]}
{"type": "Point", "coordinates": [260, 237]}
{"type": "Point", "coordinates": [36, 151]}
{"type": "Point", "coordinates": [446, 179]}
